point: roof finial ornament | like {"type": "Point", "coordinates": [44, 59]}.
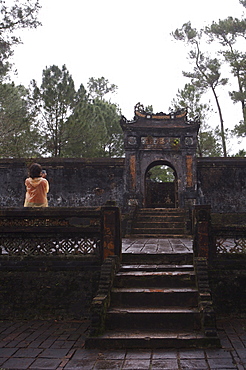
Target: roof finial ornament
{"type": "Point", "coordinates": [141, 113]}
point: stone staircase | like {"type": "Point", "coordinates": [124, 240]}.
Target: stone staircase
{"type": "Point", "coordinates": [155, 305]}
{"type": "Point", "coordinates": [159, 223]}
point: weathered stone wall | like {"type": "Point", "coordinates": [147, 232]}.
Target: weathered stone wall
{"type": "Point", "coordinates": [222, 183]}
{"type": "Point", "coordinates": [227, 276]}
{"type": "Point", "coordinates": [47, 287]}
{"type": "Point", "coordinates": [91, 182]}
{"type": "Point", "coordinates": [73, 182]}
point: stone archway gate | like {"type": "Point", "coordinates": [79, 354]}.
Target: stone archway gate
{"type": "Point", "coordinates": [168, 138]}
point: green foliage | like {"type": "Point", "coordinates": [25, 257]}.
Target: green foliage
{"type": "Point", "coordinates": [161, 173]}
{"type": "Point", "coordinates": [208, 140]}
{"type": "Point", "coordinates": [206, 71]}
{"type": "Point", "coordinates": [190, 97]}
{"type": "Point", "coordinates": [13, 18]}
{"type": "Point", "coordinates": [241, 153]}
{"type": "Point", "coordinates": [18, 136]}
{"type": "Point", "coordinates": [228, 32]}
{"type": "Point", "coordinates": [54, 101]}
{"type": "Point", "coordinates": [99, 87]}
{"type": "Point", "coordinates": [240, 129]}
{"type": "Point", "coordinates": [149, 109]}
{"type": "Point", "coordinates": [73, 124]}
{"type": "Point", "coordinates": [108, 115]}
{"type": "Point", "coordinates": [98, 132]}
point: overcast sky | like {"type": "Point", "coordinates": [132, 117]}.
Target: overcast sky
{"type": "Point", "coordinates": [127, 42]}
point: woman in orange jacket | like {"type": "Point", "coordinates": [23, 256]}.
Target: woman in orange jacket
{"type": "Point", "coordinates": [37, 188]}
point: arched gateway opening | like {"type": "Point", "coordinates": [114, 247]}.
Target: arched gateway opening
{"type": "Point", "coordinates": [161, 186]}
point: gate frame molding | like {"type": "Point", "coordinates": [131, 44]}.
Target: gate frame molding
{"type": "Point", "coordinates": [168, 138]}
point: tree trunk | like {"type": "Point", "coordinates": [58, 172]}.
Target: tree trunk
{"type": "Point", "coordinates": [221, 123]}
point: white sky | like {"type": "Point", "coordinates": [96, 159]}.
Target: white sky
{"type": "Point", "coordinates": [127, 42]}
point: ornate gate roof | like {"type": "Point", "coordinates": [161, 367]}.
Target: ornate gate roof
{"type": "Point", "coordinates": [145, 119]}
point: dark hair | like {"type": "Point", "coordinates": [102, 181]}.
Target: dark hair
{"type": "Point", "coordinates": [35, 170]}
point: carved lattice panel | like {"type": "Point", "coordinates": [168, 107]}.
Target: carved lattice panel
{"type": "Point", "coordinates": [37, 245]}
{"type": "Point", "coordinates": [236, 245]}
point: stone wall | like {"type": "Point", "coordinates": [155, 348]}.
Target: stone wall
{"type": "Point", "coordinates": [222, 183]}
{"type": "Point", "coordinates": [91, 182]}
{"type": "Point", "coordinates": [47, 287]}
{"type": "Point", "coordinates": [73, 182]}
{"type": "Point", "coordinates": [227, 276]}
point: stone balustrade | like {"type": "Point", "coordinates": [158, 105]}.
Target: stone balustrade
{"type": "Point", "coordinates": [61, 231]}
{"type": "Point", "coordinates": [216, 233]}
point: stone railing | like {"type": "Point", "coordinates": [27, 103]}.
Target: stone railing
{"type": "Point", "coordinates": [61, 231]}
{"type": "Point", "coordinates": [218, 233]}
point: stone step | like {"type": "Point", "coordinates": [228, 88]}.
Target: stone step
{"type": "Point", "coordinates": [156, 236]}
{"type": "Point", "coordinates": [148, 339]}
{"type": "Point", "coordinates": [154, 297]}
{"type": "Point", "coordinates": [159, 217]}
{"type": "Point", "coordinates": [158, 259]}
{"type": "Point", "coordinates": [167, 318]}
{"type": "Point", "coordinates": [161, 211]}
{"type": "Point", "coordinates": [149, 267]}
{"type": "Point", "coordinates": [159, 225]}
{"type": "Point", "coordinates": [154, 278]}
{"type": "Point", "coordinates": [150, 307]}
{"type": "Point", "coordinates": [160, 214]}
{"type": "Point", "coordinates": [157, 229]}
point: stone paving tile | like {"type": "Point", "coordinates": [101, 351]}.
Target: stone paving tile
{"type": "Point", "coordinates": [36, 344]}
{"type": "Point", "coordinates": [54, 353]}
{"type": "Point", "coordinates": [138, 354]}
{"type": "Point", "coordinates": [193, 364]}
{"type": "Point", "coordinates": [7, 352]}
{"type": "Point", "coordinates": [18, 363]}
{"type": "Point", "coordinates": [108, 364]}
{"type": "Point", "coordinates": [11, 327]}
{"type": "Point", "coordinates": [81, 354]}
{"type": "Point", "coordinates": [240, 365]}
{"type": "Point", "coordinates": [2, 360]}
{"type": "Point", "coordinates": [27, 352]}
{"type": "Point", "coordinates": [112, 355]}
{"type": "Point", "coordinates": [165, 354]}
{"type": "Point", "coordinates": [242, 354]}
{"type": "Point", "coordinates": [167, 364]}
{"type": "Point", "coordinates": [141, 364]}
{"type": "Point", "coordinates": [63, 344]}
{"type": "Point", "coordinates": [74, 336]}
{"type": "Point", "coordinates": [85, 364]}
{"type": "Point", "coordinates": [237, 343]}
{"type": "Point", "coordinates": [75, 356]}
{"type": "Point", "coordinates": [189, 354]}
{"type": "Point", "coordinates": [45, 364]}
{"type": "Point", "coordinates": [224, 340]}
{"type": "Point", "coordinates": [47, 343]}
{"type": "Point", "coordinates": [217, 354]}
{"type": "Point", "coordinates": [221, 363]}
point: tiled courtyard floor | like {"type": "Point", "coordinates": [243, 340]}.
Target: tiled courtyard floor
{"type": "Point", "coordinates": [60, 345]}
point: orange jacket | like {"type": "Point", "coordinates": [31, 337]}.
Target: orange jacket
{"type": "Point", "coordinates": [36, 192]}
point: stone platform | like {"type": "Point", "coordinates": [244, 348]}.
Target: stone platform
{"type": "Point", "coordinates": [157, 246]}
